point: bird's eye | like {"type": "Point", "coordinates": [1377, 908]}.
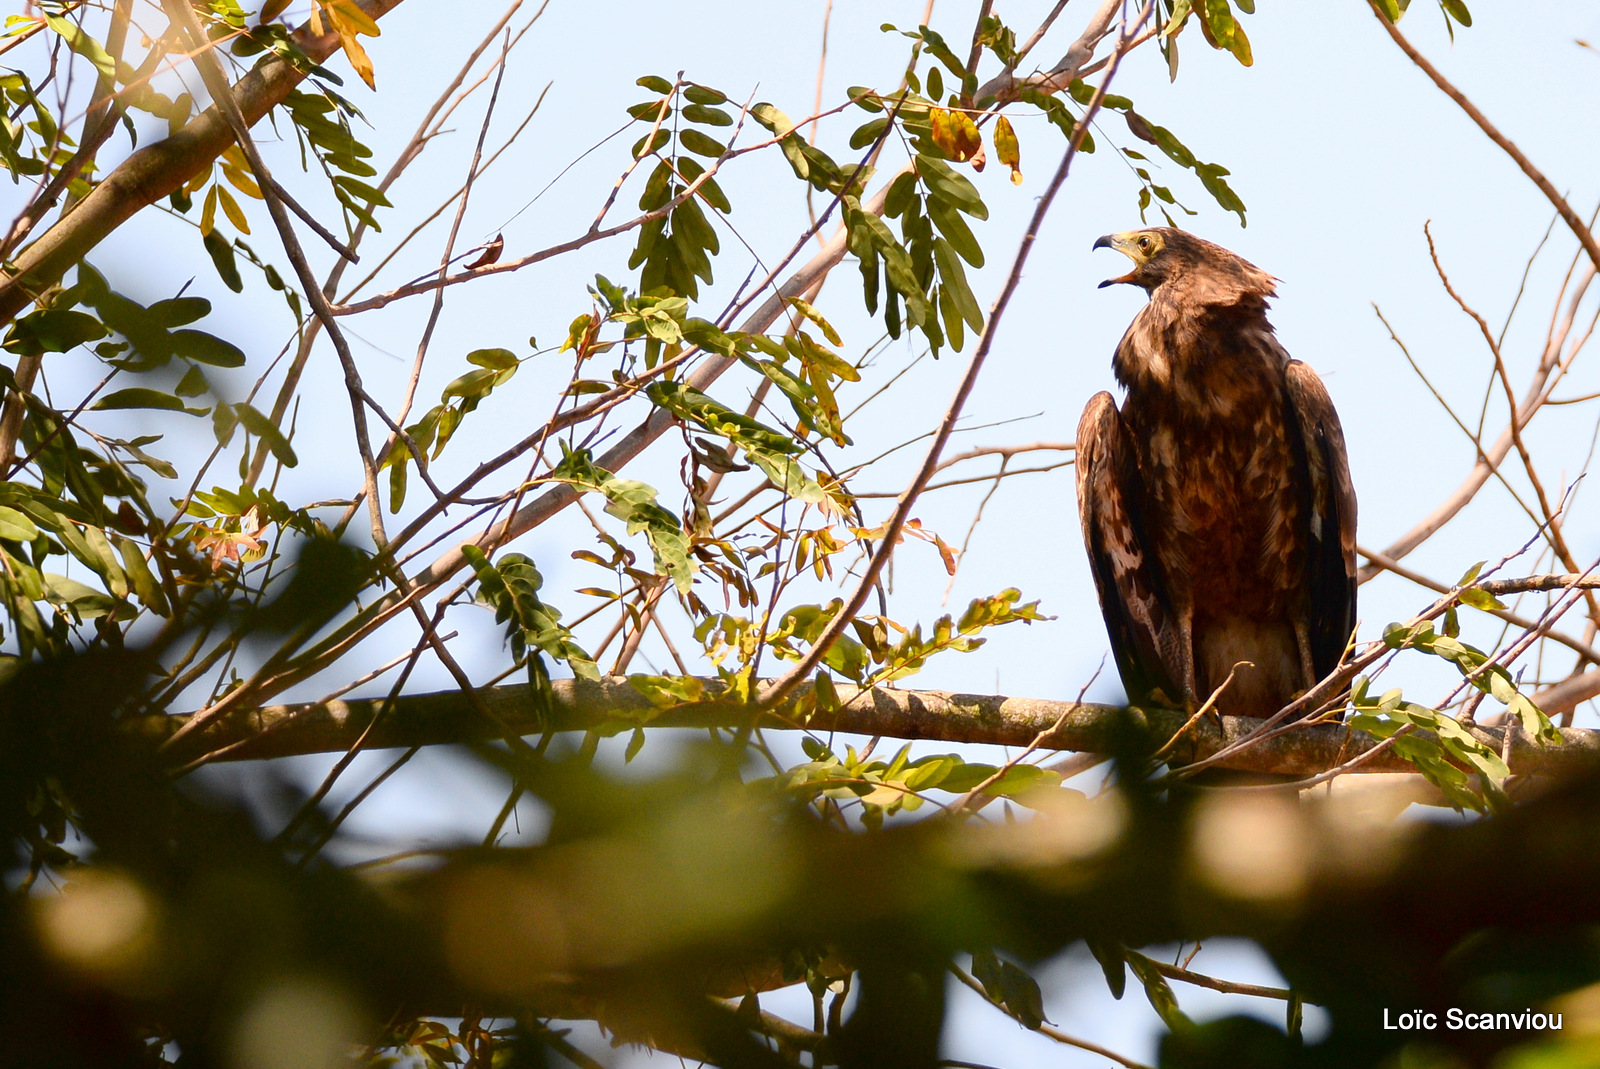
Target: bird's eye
{"type": "Point", "coordinates": [1144, 244]}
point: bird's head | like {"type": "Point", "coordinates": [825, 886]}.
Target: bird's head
{"type": "Point", "coordinates": [1209, 273]}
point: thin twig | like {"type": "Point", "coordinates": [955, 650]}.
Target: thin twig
{"type": "Point", "coordinates": [1046, 1029]}
{"type": "Point", "coordinates": [217, 82]}
{"type": "Point", "coordinates": [1584, 235]}
{"type": "Point", "coordinates": [1558, 541]}
{"type": "Point", "coordinates": [843, 618]}
{"type": "Point", "coordinates": [1497, 587]}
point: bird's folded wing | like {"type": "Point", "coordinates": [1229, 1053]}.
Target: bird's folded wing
{"type": "Point", "coordinates": [1331, 560]}
{"type": "Point", "coordinates": [1133, 597]}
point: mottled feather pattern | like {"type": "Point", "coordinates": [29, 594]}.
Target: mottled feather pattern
{"type": "Point", "coordinates": [1246, 517]}
{"type": "Point", "coordinates": [1126, 578]}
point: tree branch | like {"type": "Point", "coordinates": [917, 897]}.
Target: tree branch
{"type": "Point", "coordinates": [448, 717]}
{"type": "Point", "coordinates": [786, 684]}
{"type": "Point", "coordinates": [158, 169]}
{"type": "Point", "coordinates": [1571, 218]}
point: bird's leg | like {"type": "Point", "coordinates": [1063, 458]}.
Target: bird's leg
{"type": "Point", "coordinates": [1186, 677]}
{"type": "Point", "coordinates": [1308, 670]}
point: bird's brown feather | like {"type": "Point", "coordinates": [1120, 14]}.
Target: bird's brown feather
{"type": "Point", "coordinates": [1219, 493]}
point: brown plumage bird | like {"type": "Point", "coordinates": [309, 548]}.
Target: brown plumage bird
{"type": "Point", "coordinates": [1216, 505]}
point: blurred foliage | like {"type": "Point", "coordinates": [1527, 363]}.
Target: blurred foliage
{"type": "Point", "coordinates": [654, 900]}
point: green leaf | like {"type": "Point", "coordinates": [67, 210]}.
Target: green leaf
{"type": "Point", "coordinates": [943, 182]}
{"type": "Point", "coordinates": [1157, 991]}
{"type": "Point", "coordinates": [805, 308]}
{"type": "Point", "coordinates": [498, 359]}
{"type": "Point", "coordinates": [205, 348]}
{"type": "Point", "coordinates": [1021, 778]}
{"type": "Point", "coordinates": [141, 578]}
{"type": "Point", "coordinates": [86, 602]}
{"type": "Point", "coordinates": [863, 97]}
{"type": "Point", "coordinates": [106, 561]}
{"type": "Point", "coordinates": [964, 778]}
{"type": "Point", "coordinates": [370, 194]}
{"type": "Point", "coordinates": [650, 143]}
{"type": "Point", "coordinates": [986, 970]}
{"type": "Point", "coordinates": [954, 279]}
{"type": "Point", "coordinates": [1211, 176]}
{"type": "Point", "coordinates": [820, 358]}
{"type": "Point", "coordinates": [956, 231]}
{"type": "Point", "coordinates": [16, 527]}
{"type": "Point", "coordinates": [928, 772]}
{"type": "Point", "coordinates": [264, 429]}
{"type": "Point", "coordinates": [52, 330]}
{"type": "Point", "coordinates": [180, 311]}
{"type": "Point", "coordinates": [654, 83]}
{"type": "Point", "coordinates": [398, 477]}
{"type": "Point", "coordinates": [475, 383]}
{"type": "Point", "coordinates": [1112, 963]}
{"type": "Point", "coordinates": [534, 627]}
{"type": "Point", "coordinates": [704, 94]}
{"type": "Point", "coordinates": [142, 397]}
{"type": "Point", "coordinates": [636, 505]}
{"type": "Point", "coordinates": [193, 383]}
{"type": "Point", "coordinates": [86, 46]}
{"type": "Point", "coordinates": [955, 331]}
{"type": "Point", "coordinates": [868, 132]}
{"type": "Point", "coordinates": [666, 691]}
{"type": "Point", "coordinates": [936, 46]}
{"type": "Point", "coordinates": [1224, 31]}
{"type": "Point", "coordinates": [768, 449]}
{"type": "Point", "coordinates": [708, 116]}
{"type": "Point", "coordinates": [651, 111]}
{"type": "Point", "coordinates": [1022, 996]}
{"type": "Point", "coordinates": [773, 119]}
{"type": "Point", "coordinates": [221, 252]}
{"type": "Point", "coordinates": [1481, 599]}
{"type": "Point", "coordinates": [700, 144]}
{"type": "Point", "coordinates": [902, 192]}
{"type": "Point", "coordinates": [709, 191]}
{"type": "Point", "coordinates": [1457, 10]}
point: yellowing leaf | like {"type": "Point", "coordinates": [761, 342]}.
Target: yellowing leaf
{"type": "Point", "coordinates": [208, 213]}
{"type": "Point", "coordinates": [955, 134]}
{"type": "Point", "coordinates": [350, 13]}
{"type": "Point", "coordinates": [358, 58]}
{"type": "Point", "coordinates": [242, 181]}
{"type": "Point", "coordinates": [347, 21]}
{"type": "Point", "coordinates": [804, 308]}
{"type": "Point", "coordinates": [1006, 147]}
{"type": "Point", "coordinates": [231, 208]}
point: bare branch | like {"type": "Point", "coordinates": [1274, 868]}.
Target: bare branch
{"type": "Point", "coordinates": [448, 717]}
{"type": "Point", "coordinates": [1568, 216]}
{"type": "Point", "coordinates": [1538, 391]}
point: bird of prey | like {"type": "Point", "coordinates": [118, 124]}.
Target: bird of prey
{"type": "Point", "coordinates": [1217, 507]}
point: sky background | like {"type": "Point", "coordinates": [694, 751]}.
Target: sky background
{"type": "Point", "coordinates": [1339, 147]}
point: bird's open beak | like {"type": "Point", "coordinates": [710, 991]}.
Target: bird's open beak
{"type": "Point", "coordinates": [1118, 242]}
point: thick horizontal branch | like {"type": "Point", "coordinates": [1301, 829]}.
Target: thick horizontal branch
{"type": "Point", "coordinates": [613, 704]}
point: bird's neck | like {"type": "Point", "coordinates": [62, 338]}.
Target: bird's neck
{"type": "Point", "coordinates": [1195, 361]}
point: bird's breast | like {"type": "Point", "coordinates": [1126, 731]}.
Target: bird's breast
{"type": "Point", "coordinates": [1220, 474]}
